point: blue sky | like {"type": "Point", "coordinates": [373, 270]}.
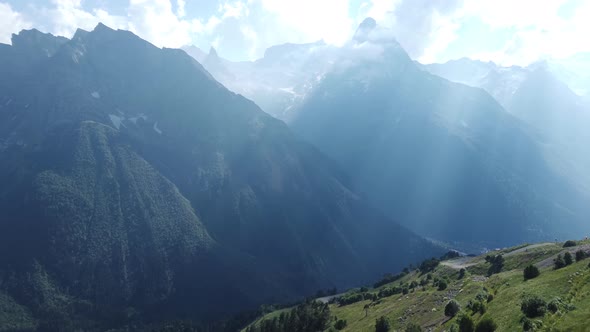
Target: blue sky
{"type": "Point", "coordinates": [505, 31]}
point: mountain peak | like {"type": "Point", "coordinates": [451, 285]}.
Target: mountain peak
{"type": "Point", "coordinates": [213, 52]}
{"type": "Point", "coordinates": [362, 32]}
{"type": "Point", "coordinates": [101, 27]}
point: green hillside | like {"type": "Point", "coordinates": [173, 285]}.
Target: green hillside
{"type": "Point", "coordinates": [418, 297]}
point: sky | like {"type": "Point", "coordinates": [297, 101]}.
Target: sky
{"type": "Point", "coordinates": [508, 32]}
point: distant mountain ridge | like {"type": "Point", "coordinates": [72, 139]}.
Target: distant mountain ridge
{"type": "Point", "coordinates": [451, 162]}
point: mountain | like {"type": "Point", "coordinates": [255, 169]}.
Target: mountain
{"type": "Point", "coordinates": [421, 296]}
{"type": "Point", "coordinates": [279, 81]}
{"type": "Point", "coordinates": [446, 159]}
{"type": "Point", "coordinates": [137, 189]}
{"type": "Point", "coordinates": [537, 96]}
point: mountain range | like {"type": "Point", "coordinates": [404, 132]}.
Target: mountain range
{"type": "Point", "coordinates": [142, 185]}
{"type": "Point", "coordinates": [455, 163]}
{"type": "Point", "coordinates": [137, 189]}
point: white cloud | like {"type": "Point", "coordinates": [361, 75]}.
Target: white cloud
{"type": "Point", "coordinates": [10, 22]}
{"type": "Point", "coordinates": [180, 8]}
{"type": "Point", "coordinates": [245, 28]}
{"type": "Point", "coordinates": [312, 19]}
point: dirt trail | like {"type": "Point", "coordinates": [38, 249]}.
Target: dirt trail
{"type": "Point", "coordinates": [459, 263]}
{"type": "Point", "coordinates": [532, 246]}
{"type": "Point", "coordinates": [465, 262]}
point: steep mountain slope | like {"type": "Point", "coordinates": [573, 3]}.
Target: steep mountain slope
{"type": "Point", "coordinates": [445, 158]}
{"type": "Point", "coordinates": [132, 179]}
{"type": "Point", "coordinates": [535, 95]}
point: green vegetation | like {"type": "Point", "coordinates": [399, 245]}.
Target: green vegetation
{"type": "Point", "coordinates": [569, 243]}
{"type": "Point", "coordinates": [452, 308]}
{"type": "Point", "coordinates": [486, 324]}
{"type": "Point", "coordinates": [311, 316]}
{"type": "Point", "coordinates": [505, 301]}
{"type": "Point", "coordinates": [533, 306]}
{"type": "Point", "coordinates": [531, 272]}
{"type": "Point", "coordinates": [413, 327]}
{"type": "Point", "coordinates": [382, 324]}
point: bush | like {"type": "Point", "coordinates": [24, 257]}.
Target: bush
{"type": "Point", "coordinates": [466, 324]}
{"type": "Point", "coordinates": [497, 263]}
{"type": "Point", "coordinates": [490, 298]}
{"type": "Point", "coordinates": [382, 325]}
{"type": "Point", "coordinates": [413, 327]}
{"type": "Point", "coordinates": [340, 324]}
{"type": "Point", "coordinates": [462, 273]}
{"type": "Point", "coordinates": [477, 306]}
{"type": "Point", "coordinates": [580, 255]}
{"type": "Point", "coordinates": [568, 259]}
{"type": "Point", "coordinates": [554, 305]}
{"type": "Point", "coordinates": [452, 308]}
{"type": "Point", "coordinates": [569, 243]}
{"type": "Point", "coordinates": [533, 306]}
{"type": "Point", "coordinates": [531, 272]}
{"type": "Point", "coordinates": [558, 262]}
{"type": "Point", "coordinates": [487, 324]}
{"type": "Point", "coordinates": [442, 285]}
{"type": "Point", "coordinates": [429, 265]}
{"type": "Point", "coordinates": [405, 290]}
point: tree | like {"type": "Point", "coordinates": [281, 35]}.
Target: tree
{"type": "Point", "coordinates": [531, 272]}
{"type": "Point", "coordinates": [466, 324]}
{"type": "Point", "coordinates": [340, 324]}
{"type": "Point", "coordinates": [413, 327]}
{"type": "Point", "coordinates": [496, 264]}
{"type": "Point", "coordinates": [567, 258]}
{"type": "Point", "coordinates": [569, 243]}
{"type": "Point", "coordinates": [533, 306]}
{"type": "Point", "coordinates": [487, 324]}
{"type": "Point", "coordinates": [462, 273]}
{"type": "Point", "coordinates": [382, 325]}
{"type": "Point", "coordinates": [452, 308]}
{"type": "Point", "coordinates": [580, 255]}
{"type": "Point", "coordinates": [442, 285]}
{"type": "Point", "coordinates": [558, 262]}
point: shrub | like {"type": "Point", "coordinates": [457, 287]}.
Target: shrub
{"type": "Point", "coordinates": [477, 306]}
{"type": "Point", "coordinates": [531, 272]}
{"type": "Point", "coordinates": [487, 324]}
{"type": "Point", "coordinates": [413, 284]}
{"type": "Point", "coordinates": [462, 273]}
{"type": "Point", "coordinates": [452, 308]}
{"type": "Point", "coordinates": [413, 327]}
{"type": "Point", "coordinates": [569, 243]}
{"type": "Point", "coordinates": [442, 285]}
{"type": "Point", "coordinates": [405, 290]}
{"type": "Point", "coordinates": [533, 306]}
{"type": "Point", "coordinates": [558, 262]}
{"type": "Point", "coordinates": [567, 258]}
{"type": "Point", "coordinates": [340, 324]}
{"type": "Point", "coordinates": [580, 255]}
{"type": "Point", "coordinates": [490, 298]}
{"type": "Point", "coordinates": [382, 325]}
{"type": "Point", "coordinates": [466, 324]}
{"type": "Point", "coordinates": [428, 265]}
{"type": "Point", "coordinates": [554, 305]}
{"type": "Point", "coordinates": [497, 263]}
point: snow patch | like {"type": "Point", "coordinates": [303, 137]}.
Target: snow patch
{"type": "Point", "coordinates": [116, 120]}
{"type": "Point", "coordinates": [95, 94]}
{"type": "Point", "coordinates": [156, 129]}
{"type": "Point", "coordinates": [288, 90]}
{"type": "Point", "coordinates": [135, 118]}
